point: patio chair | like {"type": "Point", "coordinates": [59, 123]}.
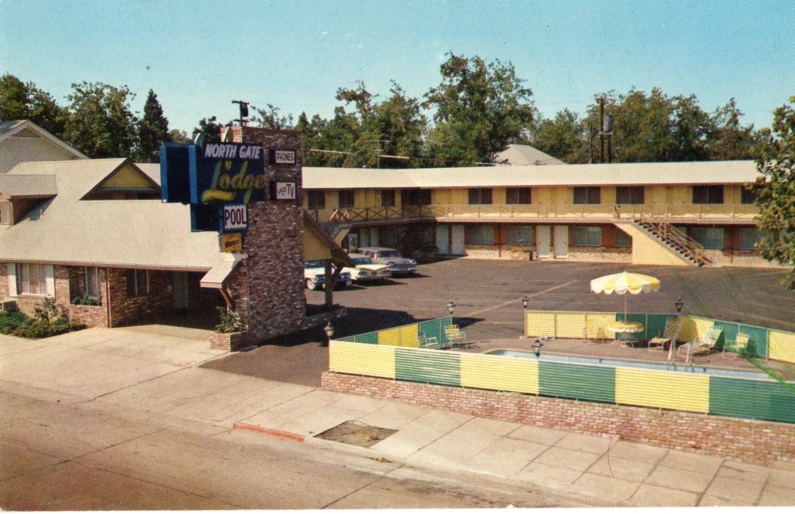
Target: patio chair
{"type": "Point", "coordinates": [428, 342]}
{"type": "Point", "coordinates": [594, 331]}
{"type": "Point", "coordinates": [669, 335]}
{"type": "Point", "coordinates": [455, 336]}
{"type": "Point", "coordinates": [703, 345]}
{"type": "Point", "coordinates": [738, 346]}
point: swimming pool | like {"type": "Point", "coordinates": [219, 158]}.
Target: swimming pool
{"type": "Point", "coordinates": [595, 361]}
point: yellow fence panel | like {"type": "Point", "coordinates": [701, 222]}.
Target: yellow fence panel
{"type": "Point", "coordinates": [570, 325]}
{"type": "Point", "coordinates": [539, 324]}
{"type": "Point", "coordinates": [596, 324]}
{"type": "Point", "coordinates": [362, 359]}
{"type": "Point", "coordinates": [389, 337]}
{"type": "Point", "coordinates": [781, 346]}
{"type": "Point", "coordinates": [499, 373]}
{"type": "Point", "coordinates": [408, 335]}
{"type": "Point", "coordinates": [694, 327]}
{"type": "Point", "coordinates": [662, 389]}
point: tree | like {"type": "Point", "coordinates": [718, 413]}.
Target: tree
{"type": "Point", "coordinates": [152, 131]}
{"type": "Point", "coordinates": [100, 122]}
{"type": "Point", "coordinates": [24, 101]}
{"type": "Point", "coordinates": [209, 129]}
{"type": "Point", "coordinates": [270, 118]}
{"type": "Point", "coordinates": [729, 139]}
{"type": "Point", "coordinates": [179, 136]}
{"type": "Point", "coordinates": [563, 138]}
{"type": "Point", "coordinates": [775, 190]}
{"type": "Point", "coordinates": [479, 108]}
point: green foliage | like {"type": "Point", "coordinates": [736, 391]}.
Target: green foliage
{"type": "Point", "coordinates": [152, 131]}
{"type": "Point", "coordinates": [562, 138]}
{"type": "Point", "coordinates": [775, 190]}
{"type": "Point", "coordinates": [101, 123]}
{"type": "Point", "coordinates": [270, 118]}
{"type": "Point", "coordinates": [24, 101]}
{"type": "Point", "coordinates": [9, 321]}
{"type": "Point", "coordinates": [230, 321]}
{"type": "Point", "coordinates": [85, 300]}
{"type": "Point", "coordinates": [209, 129]}
{"type": "Point", "coordinates": [479, 109]}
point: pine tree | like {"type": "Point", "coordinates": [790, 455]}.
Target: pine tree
{"type": "Point", "coordinates": [152, 131]}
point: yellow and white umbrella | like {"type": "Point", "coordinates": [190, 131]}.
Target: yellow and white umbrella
{"type": "Point", "coordinates": [623, 283]}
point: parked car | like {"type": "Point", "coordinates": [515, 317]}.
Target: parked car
{"type": "Point", "coordinates": [366, 270]}
{"type": "Point", "coordinates": [398, 265]}
{"type": "Point", "coordinates": [315, 276]}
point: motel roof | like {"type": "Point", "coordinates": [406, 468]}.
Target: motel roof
{"type": "Point", "coordinates": [66, 229]}
{"type": "Point", "coordinates": [624, 174]}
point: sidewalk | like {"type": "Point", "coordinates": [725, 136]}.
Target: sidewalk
{"type": "Point", "coordinates": [136, 374]}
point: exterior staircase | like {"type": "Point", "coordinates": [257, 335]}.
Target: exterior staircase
{"type": "Point", "coordinates": [675, 240]}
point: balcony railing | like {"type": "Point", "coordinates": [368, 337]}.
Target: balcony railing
{"type": "Point", "coordinates": [540, 211]}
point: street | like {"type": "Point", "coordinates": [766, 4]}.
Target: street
{"type": "Point", "coordinates": [91, 455]}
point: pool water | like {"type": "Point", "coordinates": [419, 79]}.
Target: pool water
{"type": "Point", "coordinates": [720, 372]}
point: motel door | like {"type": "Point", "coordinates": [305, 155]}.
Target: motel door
{"type": "Point", "coordinates": [458, 240]}
{"type": "Point", "coordinates": [368, 237]}
{"type": "Point", "coordinates": [443, 239]}
{"type": "Point", "coordinates": [561, 241]}
{"type": "Point", "coordinates": [543, 241]}
{"type": "Point", "coordinates": [180, 290]}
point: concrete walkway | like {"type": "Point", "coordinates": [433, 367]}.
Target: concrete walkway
{"type": "Point", "coordinates": [141, 374]}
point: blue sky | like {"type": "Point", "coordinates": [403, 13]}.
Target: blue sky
{"type": "Point", "coordinates": [198, 56]}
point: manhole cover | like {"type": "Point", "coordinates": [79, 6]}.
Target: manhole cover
{"type": "Point", "coordinates": [357, 433]}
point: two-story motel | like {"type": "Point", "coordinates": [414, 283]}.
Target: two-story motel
{"type": "Point", "coordinates": [690, 213]}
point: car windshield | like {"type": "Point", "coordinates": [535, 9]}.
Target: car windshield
{"type": "Point", "coordinates": [362, 260]}
{"type": "Point", "coordinates": [313, 264]}
{"type": "Point", "coordinates": [390, 253]}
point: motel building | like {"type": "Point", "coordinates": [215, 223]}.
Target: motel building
{"type": "Point", "coordinates": [678, 214]}
{"type": "Point", "coordinates": [97, 236]}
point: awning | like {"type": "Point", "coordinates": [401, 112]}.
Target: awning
{"type": "Point", "coordinates": [214, 279]}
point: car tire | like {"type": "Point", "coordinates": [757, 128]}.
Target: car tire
{"type": "Point", "coordinates": [310, 284]}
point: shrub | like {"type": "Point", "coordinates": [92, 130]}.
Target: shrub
{"type": "Point", "coordinates": [85, 300]}
{"type": "Point", "coordinates": [9, 321]}
{"type": "Point", "coordinates": [49, 319]}
{"type": "Point", "coordinates": [230, 321]}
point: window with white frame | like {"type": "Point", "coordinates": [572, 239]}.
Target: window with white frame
{"type": "Point", "coordinates": [32, 279]}
{"type": "Point", "coordinates": [92, 281]}
{"type": "Point", "coordinates": [481, 234]}
{"type": "Point", "coordinates": [137, 282]}
{"type": "Point", "coordinates": [521, 235]}
{"type": "Point", "coordinates": [587, 236]}
{"type": "Point", "coordinates": [709, 238]}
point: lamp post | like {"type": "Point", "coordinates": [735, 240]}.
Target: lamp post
{"type": "Point", "coordinates": [329, 330]}
{"type": "Point", "coordinates": [524, 302]}
{"type": "Point", "coordinates": [678, 304]}
{"type": "Point", "coordinates": [451, 307]}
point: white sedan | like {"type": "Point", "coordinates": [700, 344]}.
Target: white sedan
{"type": "Point", "coordinates": [366, 270]}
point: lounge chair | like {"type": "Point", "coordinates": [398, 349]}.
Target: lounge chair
{"type": "Point", "coordinates": [455, 336]}
{"type": "Point", "coordinates": [669, 336]}
{"type": "Point", "coordinates": [703, 345]}
{"type": "Point", "coordinates": [738, 346]}
{"type": "Point", "coordinates": [594, 331]}
{"type": "Point", "coordinates": [429, 342]}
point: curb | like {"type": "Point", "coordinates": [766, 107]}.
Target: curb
{"type": "Point", "coordinates": [281, 434]}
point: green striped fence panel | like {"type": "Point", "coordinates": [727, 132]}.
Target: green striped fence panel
{"type": "Point", "coordinates": [751, 399]}
{"type": "Point", "coordinates": [577, 381]}
{"type": "Point", "coordinates": [428, 366]}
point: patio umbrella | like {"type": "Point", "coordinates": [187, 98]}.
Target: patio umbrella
{"type": "Point", "coordinates": [623, 283]}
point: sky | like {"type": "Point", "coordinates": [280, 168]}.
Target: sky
{"type": "Point", "coordinates": [199, 56]}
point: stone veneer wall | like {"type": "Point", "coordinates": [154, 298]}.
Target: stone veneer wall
{"type": "Point", "coordinates": [752, 441]}
{"type": "Point", "coordinates": [126, 309]}
{"type": "Point", "coordinates": [268, 287]}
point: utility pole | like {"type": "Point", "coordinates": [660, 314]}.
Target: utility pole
{"type": "Point", "coordinates": [243, 111]}
{"type": "Point", "coordinates": [378, 150]}
{"type": "Point", "coordinates": [605, 132]}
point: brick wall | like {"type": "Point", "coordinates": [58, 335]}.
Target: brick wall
{"type": "Point", "coordinates": [268, 288]}
{"type": "Point", "coordinates": [751, 441]}
{"type": "Point", "coordinates": [126, 309]}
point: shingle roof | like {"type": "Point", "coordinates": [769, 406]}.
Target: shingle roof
{"type": "Point", "coordinates": [35, 186]}
{"type": "Point", "coordinates": [525, 155]}
{"type": "Point", "coordinates": [117, 233]}
{"type": "Point", "coordinates": [668, 173]}
{"type": "Point", "coordinates": [10, 128]}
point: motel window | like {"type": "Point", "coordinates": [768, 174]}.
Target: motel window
{"type": "Point", "coordinates": [623, 240]}
{"type": "Point", "coordinates": [750, 236]}
{"type": "Point", "coordinates": [518, 196]}
{"type": "Point", "coordinates": [347, 199]}
{"type": "Point", "coordinates": [480, 196]}
{"type": "Point", "coordinates": [415, 197]}
{"type": "Point", "coordinates": [587, 236]}
{"type": "Point", "coordinates": [630, 195]}
{"type": "Point", "coordinates": [519, 235]}
{"type": "Point", "coordinates": [747, 196]}
{"type": "Point", "coordinates": [707, 194]}
{"type": "Point", "coordinates": [387, 198]}
{"type": "Point", "coordinates": [92, 282]}
{"type": "Point", "coordinates": [137, 282]}
{"type": "Point", "coordinates": [587, 195]}
{"type": "Point", "coordinates": [32, 279]}
{"type": "Point", "coordinates": [481, 234]}
{"type": "Point", "coordinates": [316, 199]}
{"type": "Point", "coordinates": [709, 238]}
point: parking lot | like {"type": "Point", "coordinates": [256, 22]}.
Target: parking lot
{"type": "Point", "coordinates": [488, 297]}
